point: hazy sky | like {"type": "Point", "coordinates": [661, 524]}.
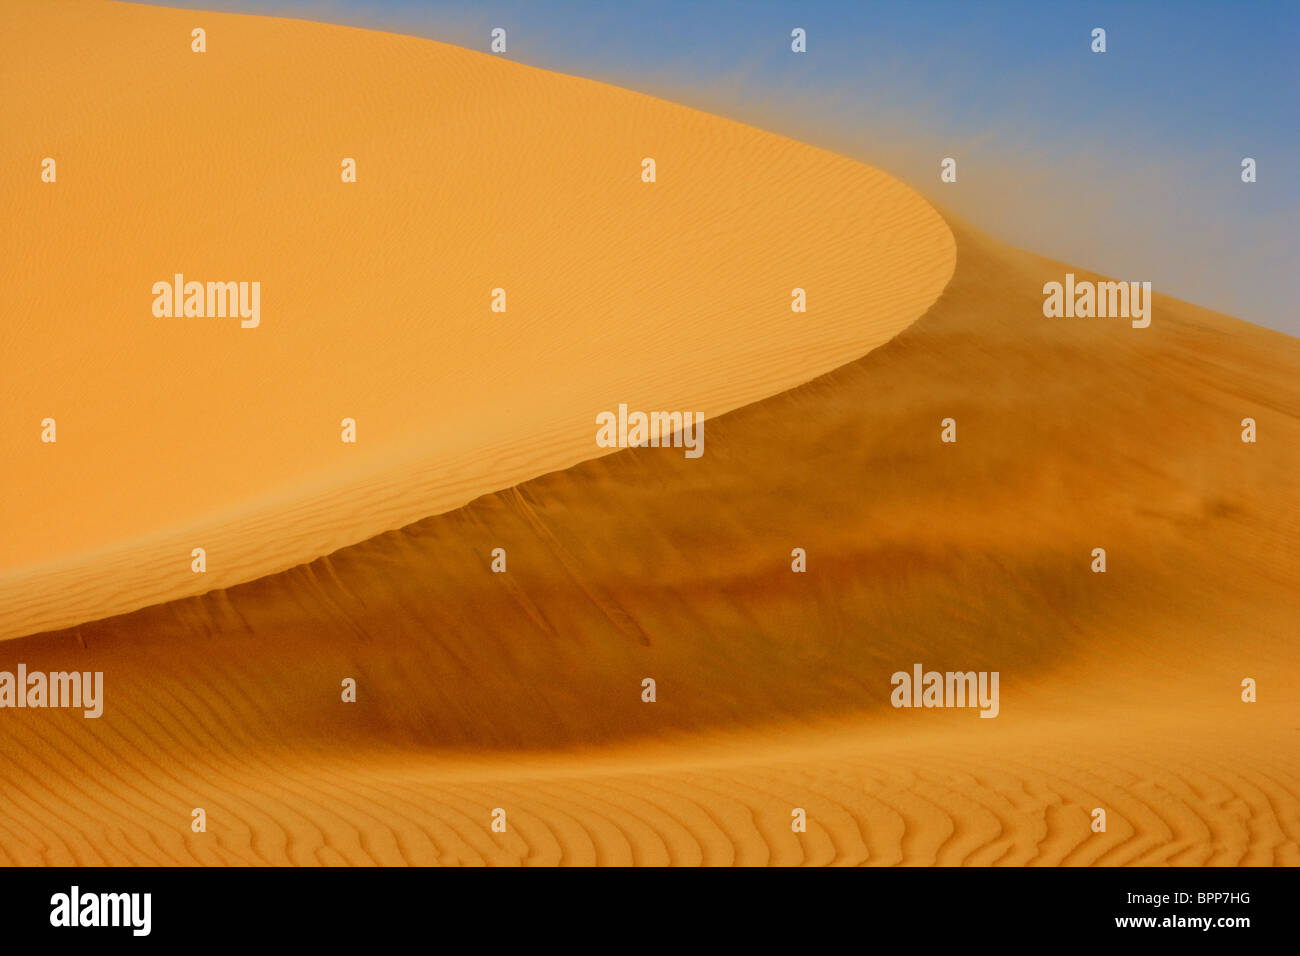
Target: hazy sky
{"type": "Point", "coordinates": [1128, 162]}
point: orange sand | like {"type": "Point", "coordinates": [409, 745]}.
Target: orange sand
{"type": "Point", "coordinates": [474, 173]}
{"type": "Point", "coordinates": [522, 690]}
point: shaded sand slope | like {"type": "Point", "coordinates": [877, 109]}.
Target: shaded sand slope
{"type": "Point", "coordinates": [481, 690]}
{"type": "Point", "coordinates": [473, 174]}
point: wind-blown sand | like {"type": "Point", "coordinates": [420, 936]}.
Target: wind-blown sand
{"type": "Point", "coordinates": [474, 173]}
{"type": "Point", "coordinates": [522, 690]}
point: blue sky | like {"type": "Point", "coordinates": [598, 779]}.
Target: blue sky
{"type": "Point", "coordinates": [1126, 162]}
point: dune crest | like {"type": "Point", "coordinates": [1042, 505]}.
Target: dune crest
{"type": "Point", "coordinates": [473, 174]}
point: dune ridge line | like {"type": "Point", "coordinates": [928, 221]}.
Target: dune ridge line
{"type": "Point", "coordinates": [474, 174]}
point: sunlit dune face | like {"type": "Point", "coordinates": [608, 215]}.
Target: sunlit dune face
{"type": "Point", "coordinates": [472, 175]}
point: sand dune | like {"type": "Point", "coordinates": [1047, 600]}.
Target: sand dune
{"type": "Point", "coordinates": [474, 173]}
{"type": "Point", "coordinates": [523, 690]}
{"type": "Point", "coordinates": [479, 690]}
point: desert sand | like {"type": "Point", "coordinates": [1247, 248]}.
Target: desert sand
{"type": "Point", "coordinates": [522, 690]}
{"type": "Point", "coordinates": [473, 174]}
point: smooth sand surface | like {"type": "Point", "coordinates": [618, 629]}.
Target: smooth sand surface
{"type": "Point", "coordinates": [522, 690]}
{"type": "Point", "coordinates": [474, 173]}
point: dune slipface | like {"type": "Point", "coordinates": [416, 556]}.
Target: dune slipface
{"type": "Point", "coordinates": [480, 690]}
{"type": "Point", "coordinates": [522, 690]}
{"type": "Point", "coordinates": [472, 174]}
